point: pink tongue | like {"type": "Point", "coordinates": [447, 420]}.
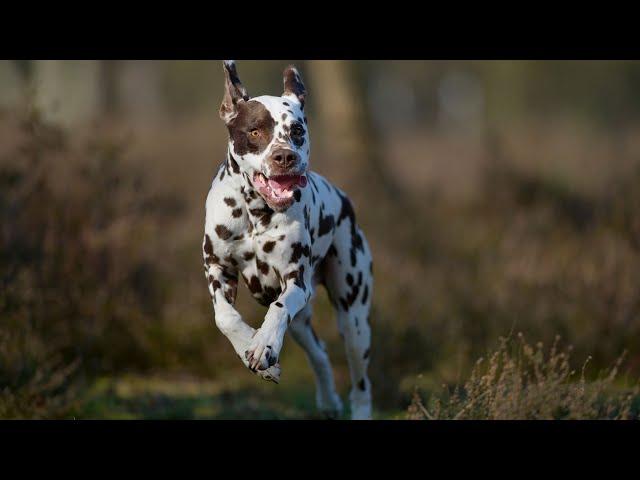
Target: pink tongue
{"type": "Point", "coordinates": [286, 183]}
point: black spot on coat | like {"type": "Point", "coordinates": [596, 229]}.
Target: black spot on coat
{"type": "Point", "coordinates": [262, 266]}
{"type": "Point", "coordinates": [299, 251]}
{"type": "Point", "coordinates": [223, 232]}
{"type": "Point", "coordinates": [325, 224]}
{"type": "Point", "coordinates": [234, 165]}
{"type": "Point", "coordinates": [208, 247]}
{"type": "Point", "coordinates": [254, 285]}
{"type": "Point", "coordinates": [365, 294]}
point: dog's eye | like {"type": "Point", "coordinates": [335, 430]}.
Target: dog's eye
{"type": "Point", "coordinates": [297, 130]}
{"type": "Point", "coordinates": [255, 132]}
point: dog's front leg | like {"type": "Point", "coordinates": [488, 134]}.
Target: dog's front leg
{"type": "Point", "coordinates": [265, 347]}
{"type": "Point", "coordinates": [222, 287]}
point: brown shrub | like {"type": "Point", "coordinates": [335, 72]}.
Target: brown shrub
{"type": "Point", "coordinates": [80, 291]}
{"type": "Point", "coordinates": [519, 381]}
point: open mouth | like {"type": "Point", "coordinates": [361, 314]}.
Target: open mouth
{"type": "Point", "coordinates": [278, 189]}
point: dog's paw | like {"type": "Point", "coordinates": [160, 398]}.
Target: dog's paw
{"type": "Point", "coordinates": [329, 404]}
{"type": "Point", "coordinates": [271, 374]}
{"type": "Point", "coordinates": [262, 352]}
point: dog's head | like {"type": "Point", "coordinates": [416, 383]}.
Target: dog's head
{"type": "Point", "coordinates": [268, 136]}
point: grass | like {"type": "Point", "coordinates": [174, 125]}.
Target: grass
{"type": "Point", "coordinates": [188, 398]}
{"type": "Point", "coordinates": [518, 381]}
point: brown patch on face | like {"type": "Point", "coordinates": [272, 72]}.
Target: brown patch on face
{"type": "Point", "coordinates": [230, 201]}
{"type": "Point", "coordinates": [248, 255]}
{"type": "Point", "coordinates": [252, 115]}
{"type": "Point", "coordinates": [237, 212]}
{"type": "Point", "coordinates": [268, 246]}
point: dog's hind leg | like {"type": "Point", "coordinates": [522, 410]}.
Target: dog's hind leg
{"type": "Point", "coordinates": [327, 400]}
{"type": "Point", "coordinates": [349, 281]}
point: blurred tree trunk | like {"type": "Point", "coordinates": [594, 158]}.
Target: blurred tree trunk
{"type": "Point", "coordinates": [25, 72]}
{"type": "Point", "coordinates": [141, 95]}
{"type": "Point", "coordinates": [66, 91]}
{"type": "Point", "coordinates": [349, 141]}
{"type": "Point", "coordinates": [352, 146]}
{"type": "Point", "coordinates": [109, 87]}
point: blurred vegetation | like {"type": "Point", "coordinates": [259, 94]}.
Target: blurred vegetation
{"type": "Point", "coordinates": [496, 196]}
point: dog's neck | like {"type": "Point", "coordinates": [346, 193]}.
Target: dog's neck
{"type": "Point", "coordinates": [236, 176]}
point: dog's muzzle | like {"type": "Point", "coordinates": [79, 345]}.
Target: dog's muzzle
{"type": "Point", "coordinates": [283, 160]}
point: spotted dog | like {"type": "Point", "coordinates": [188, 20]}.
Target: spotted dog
{"type": "Point", "coordinates": [285, 230]}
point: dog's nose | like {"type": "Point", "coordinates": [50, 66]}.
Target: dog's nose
{"type": "Point", "coordinates": [285, 158]}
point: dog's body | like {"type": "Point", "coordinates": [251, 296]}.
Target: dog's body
{"type": "Point", "coordinates": [285, 230]}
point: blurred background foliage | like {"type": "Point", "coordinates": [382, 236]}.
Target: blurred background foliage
{"type": "Point", "coordinates": [498, 197]}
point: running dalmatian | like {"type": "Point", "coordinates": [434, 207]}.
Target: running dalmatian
{"type": "Point", "coordinates": [285, 230]}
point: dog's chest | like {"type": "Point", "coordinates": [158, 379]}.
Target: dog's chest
{"type": "Point", "coordinates": [263, 259]}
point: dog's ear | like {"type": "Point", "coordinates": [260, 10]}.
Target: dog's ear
{"type": "Point", "coordinates": [234, 92]}
{"type": "Point", "coordinates": [293, 86]}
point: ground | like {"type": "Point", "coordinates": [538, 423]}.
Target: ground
{"type": "Point", "coordinates": [179, 398]}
